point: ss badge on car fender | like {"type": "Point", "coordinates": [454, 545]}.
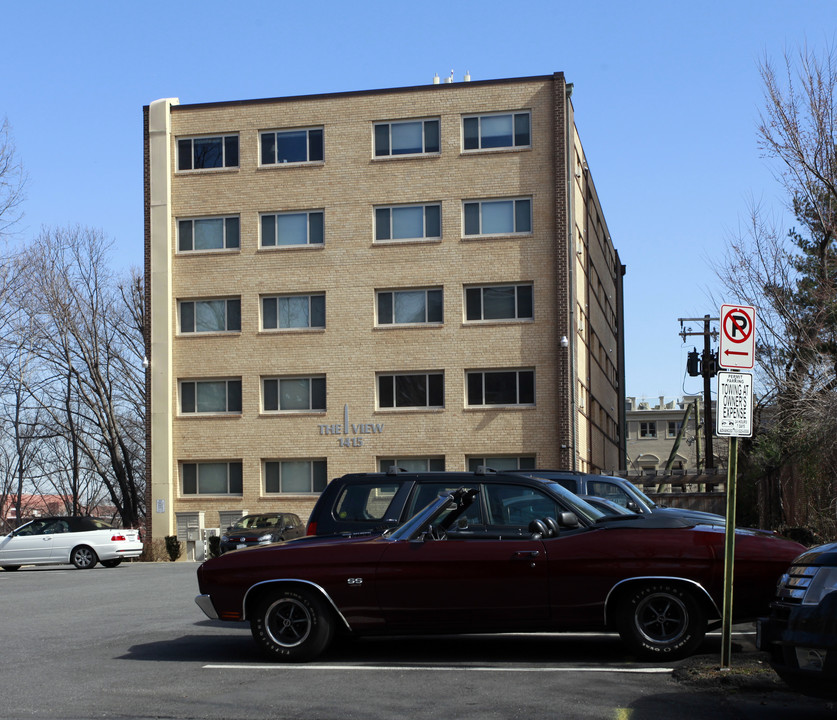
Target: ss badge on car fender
{"type": "Point", "coordinates": [355, 581]}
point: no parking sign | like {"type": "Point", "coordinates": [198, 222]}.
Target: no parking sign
{"type": "Point", "coordinates": [738, 337]}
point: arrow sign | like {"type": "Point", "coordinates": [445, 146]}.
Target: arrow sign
{"type": "Point", "coordinates": [738, 337]}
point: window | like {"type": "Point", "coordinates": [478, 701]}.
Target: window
{"type": "Point", "coordinates": [418, 390]}
{"type": "Point", "coordinates": [524, 462]}
{"type": "Point", "coordinates": [211, 478]}
{"type": "Point", "coordinates": [292, 146]}
{"type": "Point", "coordinates": [648, 429]}
{"type": "Point", "coordinates": [293, 228]}
{"type": "Point", "coordinates": [499, 302]}
{"type": "Point", "coordinates": [307, 394]}
{"type": "Point", "coordinates": [289, 312]}
{"type": "Point", "coordinates": [486, 132]}
{"type": "Point", "coordinates": [501, 387]}
{"type": "Point", "coordinates": [674, 427]}
{"type": "Point", "coordinates": [210, 396]}
{"type": "Point", "coordinates": [517, 505]}
{"type": "Point", "coordinates": [208, 234]}
{"type": "Point", "coordinates": [498, 217]}
{"type": "Point", "coordinates": [408, 222]}
{"type": "Point", "coordinates": [200, 316]}
{"type": "Point", "coordinates": [413, 464]}
{"type": "Point", "coordinates": [366, 502]}
{"type": "Point", "coordinates": [295, 476]}
{"type": "Point", "coordinates": [609, 491]}
{"type": "Point", "coordinates": [207, 153]}
{"type": "Point", "coordinates": [409, 307]}
{"type": "Point", "coordinates": [413, 137]}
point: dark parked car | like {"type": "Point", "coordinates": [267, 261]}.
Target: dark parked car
{"type": "Point", "coordinates": [801, 632]}
{"type": "Point", "coordinates": [622, 492]}
{"type": "Point", "coordinates": [503, 553]}
{"type": "Point", "coordinates": [373, 502]}
{"type": "Point", "coordinates": [261, 529]}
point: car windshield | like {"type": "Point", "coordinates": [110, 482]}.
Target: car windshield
{"type": "Point", "coordinates": [256, 522]}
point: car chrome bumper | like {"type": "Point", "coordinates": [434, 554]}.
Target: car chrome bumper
{"type": "Point", "coordinates": [205, 603]}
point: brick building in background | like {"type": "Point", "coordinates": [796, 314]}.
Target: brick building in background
{"type": "Point", "coordinates": [418, 276]}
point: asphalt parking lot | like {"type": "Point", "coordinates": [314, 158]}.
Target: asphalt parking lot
{"type": "Point", "coordinates": [129, 642]}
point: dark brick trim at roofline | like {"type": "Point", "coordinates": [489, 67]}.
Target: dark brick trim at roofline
{"type": "Point", "coordinates": [442, 86]}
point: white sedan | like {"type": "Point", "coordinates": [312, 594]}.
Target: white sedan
{"type": "Point", "coordinates": [82, 541]}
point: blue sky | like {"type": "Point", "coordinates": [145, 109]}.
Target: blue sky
{"type": "Point", "coordinates": [666, 97]}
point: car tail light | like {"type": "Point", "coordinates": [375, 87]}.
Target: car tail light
{"type": "Point", "coordinates": [312, 528]}
{"type": "Point", "coordinates": [117, 538]}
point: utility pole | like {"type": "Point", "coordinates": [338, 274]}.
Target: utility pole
{"type": "Point", "coordinates": [706, 366]}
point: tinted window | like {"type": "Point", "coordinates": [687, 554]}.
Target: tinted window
{"type": "Point", "coordinates": [365, 503]}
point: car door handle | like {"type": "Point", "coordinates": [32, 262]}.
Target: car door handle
{"type": "Point", "coordinates": [526, 554]}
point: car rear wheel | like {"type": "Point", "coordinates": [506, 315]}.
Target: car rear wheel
{"type": "Point", "coordinates": [11, 568]}
{"type": "Point", "coordinates": [83, 557]}
{"type": "Point", "coordinates": [662, 621]}
{"type": "Point", "coordinates": [292, 625]}
{"type": "Point", "coordinates": [111, 563]}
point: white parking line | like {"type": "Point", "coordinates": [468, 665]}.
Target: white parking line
{"type": "Point", "coordinates": [443, 668]}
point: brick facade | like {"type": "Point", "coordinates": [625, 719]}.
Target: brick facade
{"type": "Point", "coordinates": [350, 266]}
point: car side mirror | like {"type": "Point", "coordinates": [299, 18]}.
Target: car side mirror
{"type": "Point", "coordinates": [568, 520]}
{"type": "Point", "coordinates": [632, 506]}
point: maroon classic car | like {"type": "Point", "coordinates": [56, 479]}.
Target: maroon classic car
{"type": "Point", "coordinates": [502, 553]}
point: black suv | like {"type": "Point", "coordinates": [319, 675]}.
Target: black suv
{"type": "Point", "coordinates": [373, 502]}
{"type": "Point", "coordinates": [801, 632]}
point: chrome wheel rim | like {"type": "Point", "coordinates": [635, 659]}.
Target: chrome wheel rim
{"type": "Point", "coordinates": [661, 618]}
{"type": "Point", "coordinates": [288, 622]}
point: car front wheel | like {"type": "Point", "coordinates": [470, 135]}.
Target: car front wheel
{"type": "Point", "coordinates": [292, 625]}
{"type": "Point", "coordinates": [83, 557]}
{"type": "Point", "coordinates": [662, 621]}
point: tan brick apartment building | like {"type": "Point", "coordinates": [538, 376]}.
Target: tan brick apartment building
{"type": "Point", "coordinates": [340, 282]}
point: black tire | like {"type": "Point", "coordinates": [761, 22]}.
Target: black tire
{"type": "Point", "coordinates": [83, 557]}
{"type": "Point", "coordinates": [111, 563]}
{"type": "Point", "coordinates": [11, 568]}
{"type": "Point", "coordinates": [662, 621]}
{"type": "Point", "coordinates": [292, 625]}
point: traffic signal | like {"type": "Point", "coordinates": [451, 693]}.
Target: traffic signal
{"type": "Point", "coordinates": [693, 363]}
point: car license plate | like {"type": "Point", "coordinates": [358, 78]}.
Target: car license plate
{"type": "Point", "coordinates": [240, 545]}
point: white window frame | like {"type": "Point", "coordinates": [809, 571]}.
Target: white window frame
{"type": "Point", "coordinates": [203, 463]}
{"type": "Point", "coordinates": [279, 329]}
{"type": "Point", "coordinates": [391, 209]}
{"type": "Point", "coordinates": [222, 138]}
{"type": "Point", "coordinates": [482, 288]}
{"type": "Point", "coordinates": [394, 292]}
{"type": "Point", "coordinates": [311, 474]}
{"type": "Point", "coordinates": [226, 330]}
{"type": "Point", "coordinates": [288, 131]}
{"type": "Point", "coordinates": [481, 116]}
{"type": "Point", "coordinates": [481, 203]}
{"type": "Point", "coordinates": [276, 215]}
{"type": "Point", "coordinates": [394, 376]}
{"type": "Point", "coordinates": [225, 231]}
{"type": "Point", "coordinates": [412, 121]}
{"type": "Point", "coordinates": [198, 381]}
{"type": "Point", "coordinates": [278, 379]}
{"type": "Point", "coordinates": [489, 371]}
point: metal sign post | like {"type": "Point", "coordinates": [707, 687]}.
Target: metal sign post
{"type": "Point", "coordinates": [734, 419]}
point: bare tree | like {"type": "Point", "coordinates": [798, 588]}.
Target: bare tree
{"type": "Point", "coordinates": [12, 180]}
{"type": "Point", "coordinates": [791, 279]}
{"type": "Point", "coordinates": [86, 341]}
